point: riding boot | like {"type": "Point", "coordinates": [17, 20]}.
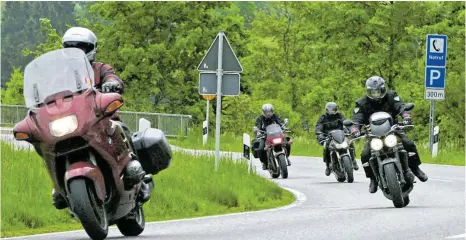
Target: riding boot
{"type": "Point", "coordinates": [327, 169]}
{"type": "Point", "coordinates": [58, 200]}
{"type": "Point", "coordinates": [373, 185]}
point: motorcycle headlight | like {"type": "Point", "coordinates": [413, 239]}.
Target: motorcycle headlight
{"type": "Point", "coordinates": [63, 126]}
{"type": "Point", "coordinates": [341, 145]}
{"type": "Point", "coordinates": [376, 144]}
{"type": "Point", "coordinates": [277, 141]}
{"type": "Point", "coordinates": [390, 140]}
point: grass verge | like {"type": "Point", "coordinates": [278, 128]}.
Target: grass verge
{"type": "Point", "coordinates": [189, 188]}
{"type": "Point", "coordinates": [308, 147]}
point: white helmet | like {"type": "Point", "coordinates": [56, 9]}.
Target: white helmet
{"type": "Point", "coordinates": [82, 38]}
{"type": "Point", "coordinates": [267, 110]}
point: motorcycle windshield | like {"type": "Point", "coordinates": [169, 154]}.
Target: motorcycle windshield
{"type": "Point", "coordinates": [61, 70]}
{"type": "Point", "coordinates": [382, 129]}
{"type": "Point", "coordinates": [273, 130]}
{"type": "Point", "coordinates": [338, 135]}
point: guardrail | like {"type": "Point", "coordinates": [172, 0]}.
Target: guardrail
{"type": "Point", "coordinates": [171, 124]}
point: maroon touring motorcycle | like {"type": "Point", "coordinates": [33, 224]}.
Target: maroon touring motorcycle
{"type": "Point", "coordinates": [87, 154]}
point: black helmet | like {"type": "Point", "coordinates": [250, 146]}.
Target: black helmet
{"type": "Point", "coordinates": [267, 110]}
{"type": "Point", "coordinates": [331, 108]}
{"type": "Point", "coordinates": [375, 88]}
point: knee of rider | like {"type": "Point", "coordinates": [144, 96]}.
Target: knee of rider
{"type": "Point", "coordinates": [365, 158]}
{"type": "Point", "coordinates": [412, 145]}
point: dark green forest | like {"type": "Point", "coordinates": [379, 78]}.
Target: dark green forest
{"type": "Point", "coordinates": [295, 55]}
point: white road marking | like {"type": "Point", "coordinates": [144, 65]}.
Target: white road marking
{"type": "Point", "coordinates": [457, 236]}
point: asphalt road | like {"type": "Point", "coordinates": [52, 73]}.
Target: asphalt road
{"type": "Point", "coordinates": [326, 210]}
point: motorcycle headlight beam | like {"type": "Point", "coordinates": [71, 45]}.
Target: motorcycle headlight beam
{"type": "Point", "coordinates": [390, 140]}
{"type": "Point", "coordinates": [376, 144]}
{"type": "Point", "coordinates": [63, 126]}
{"type": "Point", "coordinates": [277, 141]}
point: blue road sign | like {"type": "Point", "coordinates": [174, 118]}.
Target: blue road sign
{"type": "Point", "coordinates": [435, 77]}
{"type": "Point", "coordinates": [436, 50]}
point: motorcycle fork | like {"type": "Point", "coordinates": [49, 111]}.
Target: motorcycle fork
{"type": "Point", "coordinates": [401, 164]}
{"type": "Point", "coordinates": [339, 160]}
{"type": "Point", "coordinates": [332, 161]}
{"type": "Point", "coordinates": [377, 168]}
{"type": "Point", "coordinates": [272, 159]}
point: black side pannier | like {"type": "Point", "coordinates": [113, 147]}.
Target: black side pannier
{"type": "Point", "coordinates": [153, 150]}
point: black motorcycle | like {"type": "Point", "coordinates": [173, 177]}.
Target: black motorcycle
{"type": "Point", "coordinates": [389, 160]}
{"type": "Point", "coordinates": [341, 162]}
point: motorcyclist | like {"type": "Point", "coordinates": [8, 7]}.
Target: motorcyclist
{"type": "Point", "coordinates": [378, 98]}
{"type": "Point", "coordinates": [331, 120]}
{"type": "Point", "coordinates": [105, 80]}
{"type": "Point", "coordinates": [267, 118]}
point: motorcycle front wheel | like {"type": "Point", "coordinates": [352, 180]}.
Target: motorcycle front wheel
{"type": "Point", "coordinates": [88, 208]}
{"type": "Point", "coordinates": [348, 165]}
{"type": "Point", "coordinates": [283, 165]}
{"type": "Point", "coordinates": [393, 184]}
{"type": "Point", "coordinates": [273, 169]}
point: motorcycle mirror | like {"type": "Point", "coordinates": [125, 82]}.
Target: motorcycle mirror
{"type": "Point", "coordinates": [286, 121]}
{"type": "Point", "coordinates": [348, 122]}
{"type": "Point", "coordinates": [408, 106]}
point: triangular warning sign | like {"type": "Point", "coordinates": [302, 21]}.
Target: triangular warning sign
{"type": "Point", "coordinates": [230, 62]}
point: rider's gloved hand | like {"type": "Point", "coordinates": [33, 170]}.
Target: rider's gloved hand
{"type": "Point", "coordinates": [406, 119]}
{"type": "Point", "coordinates": [111, 86]}
{"type": "Point", "coordinates": [321, 138]}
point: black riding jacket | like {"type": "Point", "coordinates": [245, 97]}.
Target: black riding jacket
{"type": "Point", "coordinates": [365, 107]}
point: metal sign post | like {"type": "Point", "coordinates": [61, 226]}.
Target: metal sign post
{"type": "Point", "coordinates": [205, 125]}
{"type": "Point", "coordinates": [219, 100]}
{"type": "Point", "coordinates": [435, 75]}
{"type": "Point", "coordinates": [222, 55]}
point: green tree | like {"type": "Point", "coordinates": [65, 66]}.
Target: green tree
{"type": "Point", "coordinates": [20, 29]}
{"type": "Point", "coordinates": [14, 87]}
{"type": "Point", "coordinates": [156, 47]}
{"type": "Point", "coordinates": [13, 95]}
{"type": "Point", "coordinates": [52, 41]}
{"type": "Point", "coordinates": [308, 53]}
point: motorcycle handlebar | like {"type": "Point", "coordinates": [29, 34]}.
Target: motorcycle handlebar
{"type": "Point", "coordinates": [354, 139]}
{"type": "Point", "coordinates": [396, 126]}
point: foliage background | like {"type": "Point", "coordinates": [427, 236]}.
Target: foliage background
{"type": "Point", "coordinates": [296, 55]}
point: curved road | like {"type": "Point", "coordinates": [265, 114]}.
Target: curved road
{"type": "Point", "coordinates": [326, 210]}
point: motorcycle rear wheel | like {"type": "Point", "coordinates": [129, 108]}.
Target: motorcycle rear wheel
{"type": "Point", "coordinates": [134, 223]}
